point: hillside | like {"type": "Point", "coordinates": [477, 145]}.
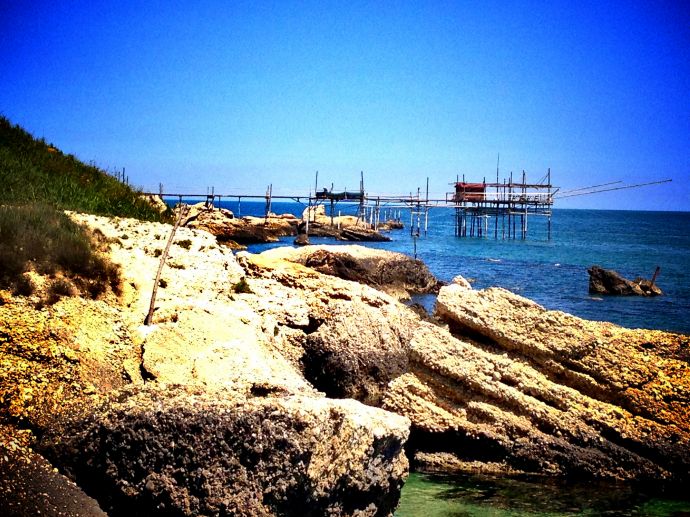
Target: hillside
{"type": "Point", "coordinates": [32, 171]}
{"type": "Point", "coordinates": [39, 182]}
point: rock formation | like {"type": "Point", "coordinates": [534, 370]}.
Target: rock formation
{"type": "Point", "coordinates": [519, 388]}
{"type": "Point", "coordinates": [249, 358]}
{"type": "Point", "coordinates": [233, 400]}
{"type": "Point", "coordinates": [394, 273]}
{"type": "Point", "coordinates": [189, 452]}
{"type": "Point", "coordinates": [607, 281]}
{"type": "Point", "coordinates": [342, 227]}
{"type": "Point", "coordinates": [156, 202]}
{"type": "Point", "coordinates": [234, 231]}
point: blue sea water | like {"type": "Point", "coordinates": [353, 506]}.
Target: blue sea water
{"type": "Point", "coordinates": [552, 272]}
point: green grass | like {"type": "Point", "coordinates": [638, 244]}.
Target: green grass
{"type": "Point", "coordinates": [37, 183]}
{"type": "Point", "coordinates": [31, 171]}
{"type": "Point", "coordinates": [40, 238]}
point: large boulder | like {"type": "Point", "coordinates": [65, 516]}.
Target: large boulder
{"type": "Point", "coordinates": [348, 339]}
{"type": "Point", "coordinates": [392, 272]}
{"type": "Point", "coordinates": [175, 451]}
{"type": "Point", "coordinates": [520, 388]}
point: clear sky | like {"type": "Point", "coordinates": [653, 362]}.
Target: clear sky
{"type": "Point", "coordinates": [237, 95]}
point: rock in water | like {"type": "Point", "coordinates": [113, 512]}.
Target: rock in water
{"type": "Point", "coordinates": [246, 230]}
{"type": "Point", "coordinates": [302, 239]}
{"type": "Point", "coordinates": [176, 451]}
{"type": "Point", "coordinates": [607, 281]}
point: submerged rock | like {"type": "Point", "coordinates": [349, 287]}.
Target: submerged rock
{"type": "Point", "coordinates": [302, 240]}
{"type": "Point", "coordinates": [607, 281]}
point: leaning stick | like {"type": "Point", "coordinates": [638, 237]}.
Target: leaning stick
{"type": "Point", "coordinates": [181, 215]}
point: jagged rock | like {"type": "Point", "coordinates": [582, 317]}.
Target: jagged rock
{"type": "Point", "coordinates": [362, 235]}
{"type": "Point", "coordinates": [156, 201]}
{"type": "Point", "coordinates": [392, 224]}
{"type": "Point", "coordinates": [461, 281]}
{"type": "Point", "coordinates": [525, 389]}
{"type": "Point", "coordinates": [176, 451]}
{"type": "Point", "coordinates": [394, 273]}
{"type": "Point", "coordinates": [344, 228]}
{"type": "Point", "coordinates": [349, 340]}
{"type": "Point", "coordinates": [648, 288]}
{"type": "Point", "coordinates": [607, 281]}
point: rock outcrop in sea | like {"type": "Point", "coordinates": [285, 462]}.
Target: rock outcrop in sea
{"type": "Point", "coordinates": [393, 273]}
{"type": "Point", "coordinates": [289, 383]}
{"type": "Point", "coordinates": [607, 281]}
{"type": "Point", "coordinates": [518, 388]}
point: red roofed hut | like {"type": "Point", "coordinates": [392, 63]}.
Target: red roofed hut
{"type": "Point", "coordinates": [473, 192]}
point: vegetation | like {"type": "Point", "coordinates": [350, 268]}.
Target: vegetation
{"type": "Point", "coordinates": [38, 238]}
{"type": "Point", "coordinates": [184, 243]}
{"type": "Point", "coordinates": [38, 183]}
{"type": "Point", "coordinates": [32, 171]}
{"type": "Point", "coordinates": [242, 287]}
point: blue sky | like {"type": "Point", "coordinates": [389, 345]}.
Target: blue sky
{"type": "Point", "coordinates": [237, 95]}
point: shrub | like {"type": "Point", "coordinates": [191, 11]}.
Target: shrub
{"type": "Point", "coordinates": [58, 288]}
{"type": "Point", "coordinates": [40, 238]}
{"type": "Point", "coordinates": [242, 286]}
{"type": "Point", "coordinates": [24, 286]}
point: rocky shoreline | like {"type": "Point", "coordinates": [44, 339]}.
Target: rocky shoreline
{"type": "Point", "coordinates": [294, 382]}
{"type": "Point", "coordinates": [238, 232]}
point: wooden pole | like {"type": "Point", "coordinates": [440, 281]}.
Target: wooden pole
{"type": "Point", "coordinates": [164, 256]}
{"type": "Point", "coordinates": [656, 273]}
{"type": "Point", "coordinates": [498, 190]}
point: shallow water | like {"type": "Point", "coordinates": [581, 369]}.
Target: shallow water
{"type": "Point", "coordinates": [479, 496]}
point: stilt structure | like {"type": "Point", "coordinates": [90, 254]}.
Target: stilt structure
{"type": "Point", "coordinates": [507, 202]}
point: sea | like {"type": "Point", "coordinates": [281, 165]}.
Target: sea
{"type": "Point", "coordinates": [553, 272]}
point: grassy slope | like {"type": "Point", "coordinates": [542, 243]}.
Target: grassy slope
{"type": "Point", "coordinates": [32, 171]}
{"type": "Point", "coordinates": [38, 182]}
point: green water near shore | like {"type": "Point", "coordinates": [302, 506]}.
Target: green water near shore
{"type": "Point", "coordinates": [482, 496]}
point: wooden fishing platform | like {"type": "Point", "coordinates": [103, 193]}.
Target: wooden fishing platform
{"type": "Point", "coordinates": [510, 203]}
{"type": "Point", "coordinates": [501, 209]}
